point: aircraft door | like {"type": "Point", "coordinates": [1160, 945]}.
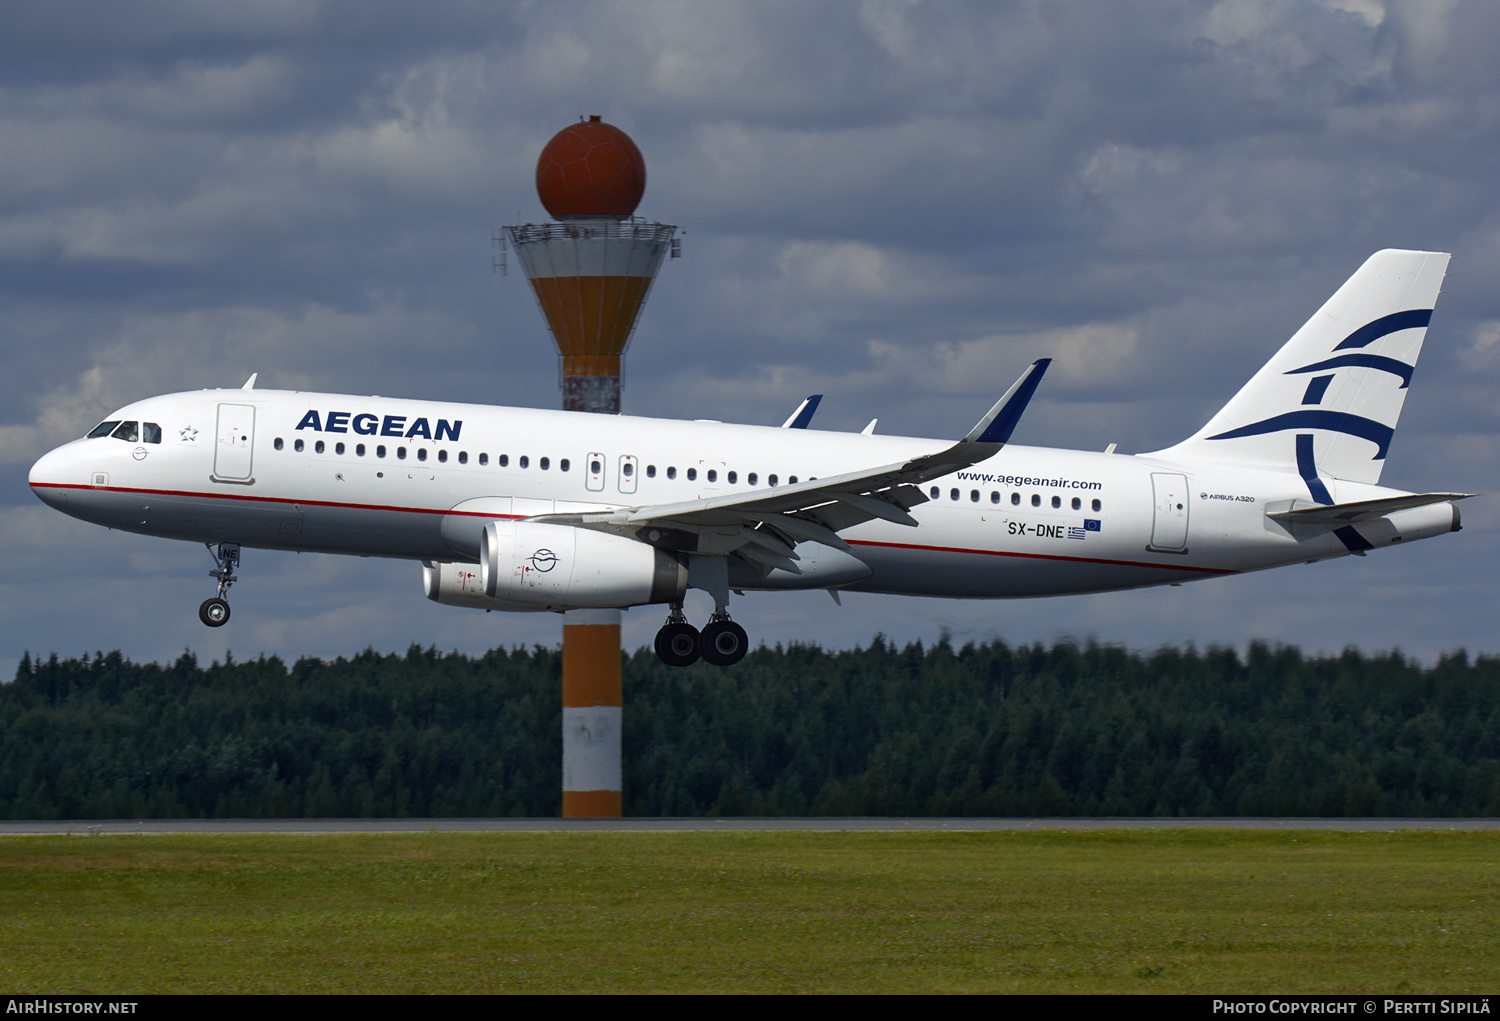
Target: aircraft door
{"type": "Point", "coordinates": [1169, 523]}
{"type": "Point", "coordinates": [627, 473]}
{"type": "Point", "coordinates": [595, 466]}
{"type": "Point", "coordinates": [234, 446]}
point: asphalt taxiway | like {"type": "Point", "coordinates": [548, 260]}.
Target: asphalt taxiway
{"type": "Point", "coordinates": [87, 827]}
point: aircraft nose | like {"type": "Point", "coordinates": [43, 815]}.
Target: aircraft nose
{"type": "Point", "coordinates": [50, 478]}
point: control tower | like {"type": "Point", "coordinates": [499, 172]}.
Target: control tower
{"type": "Point", "coordinates": [591, 267]}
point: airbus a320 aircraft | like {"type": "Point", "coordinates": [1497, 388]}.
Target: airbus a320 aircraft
{"type": "Point", "coordinates": [518, 509]}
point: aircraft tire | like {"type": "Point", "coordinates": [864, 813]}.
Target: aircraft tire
{"type": "Point", "coordinates": [677, 644]}
{"type": "Point", "coordinates": [214, 612]}
{"type": "Point", "coordinates": [724, 643]}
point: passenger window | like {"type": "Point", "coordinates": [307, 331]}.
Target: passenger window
{"type": "Point", "coordinates": [442, 457]}
{"type": "Point", "coordinates": [524, 461]}
{"type": "Point", "coordinates": [484, 459]}
{"type": "Point", "coordinates": [1077, 503]}
{"type": "Point", "coordinates": [503, 460]}
{"type": "Point", "coordinates": [934, 492]}
{"type": "Point", "coordinates": [279, 443]}
{"type": "Point", "coordinates": [973, 496]}
{"type": "Point", "coordinates": [627, 469]}
{"type": "Point", "coordinates": [359, 450]}
{"type": "Point", "coordinates": [318, 447]}
{"type": "Point", "coordinates": [421, 453]}
{"type": "Point", "coordinates": [751, 478]}
{"type": "Point", "coordinates": [1056, 502]}
{"type": "Point", "coordinates": [401, 453]}
{"type": "Point", "coordinates": [671, 472]}
{"type": "Point", "coordinates": [791, 480]}
{"type": "Point", "coordinates": [1036, 499]}
{"type": "Point", "coordinates": [150, 432]}
{"type": "Point", "coordinates": [463, 457]}
{"type": "Point", "coordinates": [128, 431]}
{"type": "Point", "coordinates": [338, 448]}
{"type": "Point", "coordinates": [713, 476]}
{"type": "Point", "coordinates": [771, 479]}
{"type": "Point", "coordinates": [994, 497]}
{"type": "Point", "coordinates": [544, 463]}
{"type": "Point", "coordinates": [298, 446]}
{"type": "Point", "coordinates": [1097, 505]}
{"type": "Point", "coordinates": [380, 450]}
{"type": "Point", "coordinates": [103, 429]}
{"type": "Point", "coordinates": [563, 465]}
{"type": "Point", "coordinates": [595, 467]}
{"type": "Point", "coordinates": [692, 474]}
{"type": "Point", "coordinates": [733, 478]}
{"type": "Point", "coordinates": [650, 471]}
{"type": "Point", "coordinates": [1015, 499]}
{"type": "Point", "coordinates": [953, 494]}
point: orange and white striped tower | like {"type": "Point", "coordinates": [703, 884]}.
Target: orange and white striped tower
{"type": "Point", "coordinates": [591, 268]}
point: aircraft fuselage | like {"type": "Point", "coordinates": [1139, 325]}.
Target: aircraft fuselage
{"type": "Point", "coordinates": [410, 479]}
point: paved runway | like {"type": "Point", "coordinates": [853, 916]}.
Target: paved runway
{"type": "Point", "coordinates": [87, 827]}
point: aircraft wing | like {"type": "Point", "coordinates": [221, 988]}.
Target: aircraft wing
{"type": "Point", "coordinates": [763, 525]}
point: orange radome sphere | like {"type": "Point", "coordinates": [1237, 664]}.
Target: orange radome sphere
{"type": "Point", "coordinates": [591, 169]}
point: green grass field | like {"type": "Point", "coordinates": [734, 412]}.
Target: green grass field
{"type": "Point", "coordinates": [1160, 911]}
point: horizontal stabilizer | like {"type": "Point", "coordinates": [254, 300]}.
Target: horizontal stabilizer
{"type": "Point", "coordinates": [1363, 510]}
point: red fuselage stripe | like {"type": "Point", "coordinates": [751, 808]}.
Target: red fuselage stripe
{"type": "Point", "coordinates": [293, 502]}
{"type": "Point", "coordinates": [1042, 556]}
{"type": "Point", "coordinates": [489, 514]}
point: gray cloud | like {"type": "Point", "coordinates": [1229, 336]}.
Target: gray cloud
{"type": "Point", "coordinates": [897, 204]}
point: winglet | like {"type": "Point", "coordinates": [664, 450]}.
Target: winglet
{"type": "Point", "coordinates": [1001, 420]}
{"type": "Point", "coordinates": [250, 383]}
{"type": "Point", "coordinates": [804, 413]}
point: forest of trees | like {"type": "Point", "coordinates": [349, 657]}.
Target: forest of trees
{"type": "Point", "coordinates": [985, 729]}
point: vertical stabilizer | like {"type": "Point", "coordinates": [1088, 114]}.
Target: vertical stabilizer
{"type": "Point", "coordinates": [1328, 402]}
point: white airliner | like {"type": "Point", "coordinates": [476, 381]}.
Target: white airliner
{"type": "Point", "coordinates": [519, 509]}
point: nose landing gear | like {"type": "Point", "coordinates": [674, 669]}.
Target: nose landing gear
{"type": "Point", "coordinates": [215, 611]}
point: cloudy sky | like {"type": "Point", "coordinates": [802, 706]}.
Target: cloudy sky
{"type": "Point", "coordinates": [897, 204]}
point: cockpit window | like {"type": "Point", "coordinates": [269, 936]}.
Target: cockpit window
{"type": "Point", "coordinates": [150, 432]}
{"type": "Point", "coordinates": [130, 432]}
{"type": "Point", "coordinates": [103, 429]}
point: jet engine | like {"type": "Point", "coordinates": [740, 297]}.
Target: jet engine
{"type": "Point", "coordinates": [458, 585]}
{"type": "Point", "coordinates": [560, 567]}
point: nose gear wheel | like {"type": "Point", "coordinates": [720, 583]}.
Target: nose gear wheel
{"type": "Point", "coordinates": [215, 611]}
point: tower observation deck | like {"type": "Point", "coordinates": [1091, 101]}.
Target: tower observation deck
{"type": "Point", "coordinates": [591, 276]}
{"type": "Point", "coordinates": [591, 266]}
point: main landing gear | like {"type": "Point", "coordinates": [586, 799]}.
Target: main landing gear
{"type": "Point", "coordinates": [722, 642]}
{"type": "Point", "coordinates": [215, 612]}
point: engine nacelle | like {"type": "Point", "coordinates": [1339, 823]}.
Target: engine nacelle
{"type": "Point", "coordinates": [459, 585]}
{"type": "Point", "coordinates": [560, 567]}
